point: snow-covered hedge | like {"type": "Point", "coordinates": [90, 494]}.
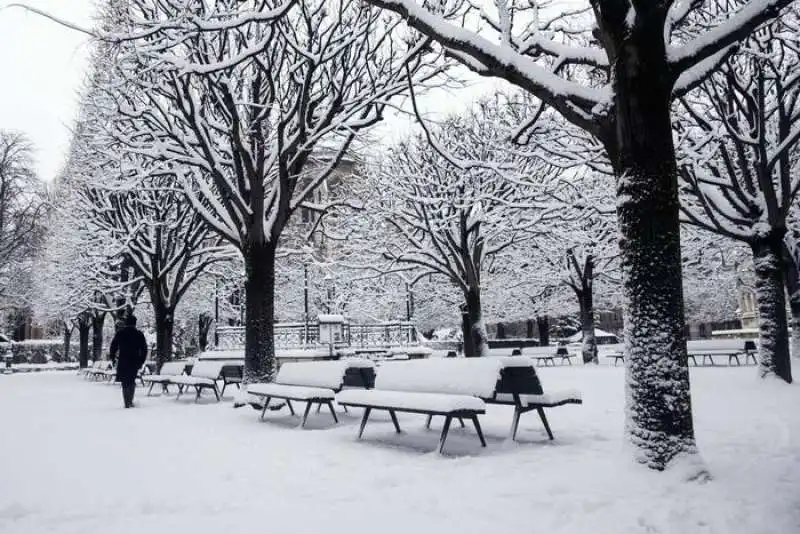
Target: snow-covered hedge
{"type": "Point", "coordinates": [37, 351]}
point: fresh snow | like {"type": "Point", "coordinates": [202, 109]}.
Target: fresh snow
{"type": "Point", "coordinates": [464, 376]}
{"type": "Point", "coordinates": [282, 391]}
{"type": "Point", "coordinates": [72, 460]}
{"type": "Point", "coordinates": [409, 400]}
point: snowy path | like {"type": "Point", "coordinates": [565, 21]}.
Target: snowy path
{"type": "Point", "coordinates": [73, 461]}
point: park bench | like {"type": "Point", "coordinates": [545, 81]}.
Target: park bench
{"type": "Point", "coordinates": [732, 348]}
{"type": "Point", "coordinates": [314, 383]}
{"type": "Point", "coordinates": [547, 355]}
{"type": "Point", "coordinates": [205, 375]}
{"type": "Point", "coordinates": [169, 371]}
{"type": "Point", "coordinates": [456, 388]}
{"type": "Point", "coordinates": [98, 369]}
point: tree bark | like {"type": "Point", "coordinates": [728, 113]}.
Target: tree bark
{"type": "Point", "coordinates": [478, 345]}
{"type": "Point", "coordinates": [259, 352]}
{"type": "Point", "coordinates": [543, 325]}
{"type": "Point", "coordinates": [98, 321]}
{"type": "Point", "coordinates": [165, 328]}
{"type": "Point", "coordinates": [529, 329]}
{"type": "Point", "coordinates": [203, 327]}
{"type": "Point", "coordinates": [83, 343]}
{"type": "Point", "coordinates": [67, 339]}
{"type": "Point", "coordinates": [792, 279]}
{"type": "Point", "coordinates": [772, 323]}
{"type": "Point", "coordinates": [659, 409]}
{"type": "Point", "coordinates": [589, 348]}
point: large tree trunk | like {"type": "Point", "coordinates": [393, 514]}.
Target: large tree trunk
{"type": "Point", "coordinates": [659, 409]}
{"type": "Point", "coordinates": [165, 328]}
{"type": "Point", "coordinates": [792, 280]}
{"type": "Point", "coordinates": [98, 321]}
{"type": "Point", "coordinates": [543, 325]}
{"type": "Point", "coordinates": [478, 345]}
{"type": "Point", "coordinates": [259, 352]}
{"type": "Point", "coordinates": [67, 339]}
{"type": "Point", "coordinates": [772, 322]}
{"type": "Point", "coordinates": [589, 348]}
{"type": "Point", "coordinates": [203, 327]}
{"type": "Point", "coordinates": [83, 343]}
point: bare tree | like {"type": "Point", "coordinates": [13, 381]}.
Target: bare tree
{"type": "Point", "coordinates": [255, 114]}
{"type": "Point", "coordinates": [739, 132]}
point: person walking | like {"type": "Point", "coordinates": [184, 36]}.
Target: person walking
{"type": "Point", "coordinates": [129, 342]}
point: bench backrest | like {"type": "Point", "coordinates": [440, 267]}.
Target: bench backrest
{"type": "Point", "coordinates": [207, 369]}
{"type": "Point", "coordinates": [173, 368]}
{"type": "Point", "coordinates": [459, 376]}
{"type": "Point", "coordinates": [328, 374]}
{"type": "Point", "coordinates": [232, 371]}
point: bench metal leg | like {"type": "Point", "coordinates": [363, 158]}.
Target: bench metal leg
{"type": "Point", "coordinates": [319, 407]}
{"type": "Point", "coordinates": [515, 422]}
{"type": "Point", "coordinates": [731, 358]}
{"type": "Point", "coordinates": [445, 430]}
{"type": "Point", "coordinates": [305, 415]}
{"type": "Point", "coordinates": [291, 408]}
{"type": "Point", "coordinates": [691, 356]}
{"type": "Point", "coordinates": [750, 355]}
{"type": "Point", "coordinates": [461, 420]}
{"type": "Point", "coordinates": [217, 393]}
{"type": "Point", "coordinates": [222, 393]}
{"type": "Point", "coordinates": [428, 422]}
{"type": "Point", "coordinates": [165, 389]}
{"type": "Point", "coordinates": [364, 421]}
{"type": "Point", "coordinates": [345, 409]}
{"type": "Point", "coordinates": [180, 392]}
{"type": "Point", "coordinates": [149, 391]}
{"type": "Point", "coordinates": [394, 421]}
{"type": "Point", "coordinates": [333, 412]}
{"type": "Point", "coordinates": [198, 389]}
{"type": "Point", "coordinates": [264, 409]}
{"type": "Point", "coordinates": [478, 430]}
{"type": "Point", "coordinates": [544, 422]}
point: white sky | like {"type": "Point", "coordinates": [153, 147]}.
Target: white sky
{"type": "Point", "coordinates": [41, 67]}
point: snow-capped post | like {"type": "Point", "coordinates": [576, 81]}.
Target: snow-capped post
{"type": "Point", "coordinates": [630, 114]}
{"type": "Point", "coordinates": [740, 180]}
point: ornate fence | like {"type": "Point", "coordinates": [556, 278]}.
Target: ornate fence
{"type": "Point", "coordinates": [300, 335]}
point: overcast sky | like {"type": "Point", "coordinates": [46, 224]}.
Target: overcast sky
{"type": "Point", "coordinates": [42, 66]}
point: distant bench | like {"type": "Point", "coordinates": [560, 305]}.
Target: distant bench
{"type": "Point", "coordinates": [314, 383]}
{"type": "Point", "coordinates": [207, 375]}
{"type": "Point", "coordinates": [456, 388]}
{"type": "Point", "coordinates": [549, 354]}
{"type": "Point", "coordinates": [707, 349]}
{"type": "Point", "coordinates": [168, 371]}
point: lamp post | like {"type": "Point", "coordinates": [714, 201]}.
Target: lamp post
{"type": "Point", "coordinates": [305, 303]}
{"type": "Point", "coordinates": [216, 312]}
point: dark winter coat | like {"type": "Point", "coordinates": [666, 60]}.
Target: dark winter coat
{"type": "Point", "coordinates": [132, 348]}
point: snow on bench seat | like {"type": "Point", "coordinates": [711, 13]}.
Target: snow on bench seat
{"type": "Point", "coordinates": [546, 399]}
{"type": "Point", "coordinates": [204, 375]}
{"type": "Point", "coordinates": [457, 376]}
{"type": "Point", "coordinates": [298, 393]}
{"type": "Point", "coordinates": [314, 383]}
{"type": "Point", "coordinates": [406, 401]}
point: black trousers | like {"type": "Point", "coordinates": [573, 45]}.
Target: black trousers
{"type": "Point", "coordinates": [128, 390]}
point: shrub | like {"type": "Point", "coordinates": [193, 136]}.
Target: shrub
{"type": "Point", "coordinates": [37, 351]}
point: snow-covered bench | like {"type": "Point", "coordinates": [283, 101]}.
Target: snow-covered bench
{"type": "Point", "coordinates": [549, 354]}
{"type": "Point", "coordinates": [99, 369]}
{"type": "Point", "coordinates": [314, 383]}
{"type": "Point", "coordinates": [169, 371]}
{"type": "Point", "coordinates": [205, 375]}
{"type": "Point", "coordinates": [456, 388]}
{"type": "Point", "coordinates": [732, 348]}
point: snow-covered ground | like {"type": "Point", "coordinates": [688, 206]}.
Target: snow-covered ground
{"type": "Point", "coordinates": [73, 461]}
